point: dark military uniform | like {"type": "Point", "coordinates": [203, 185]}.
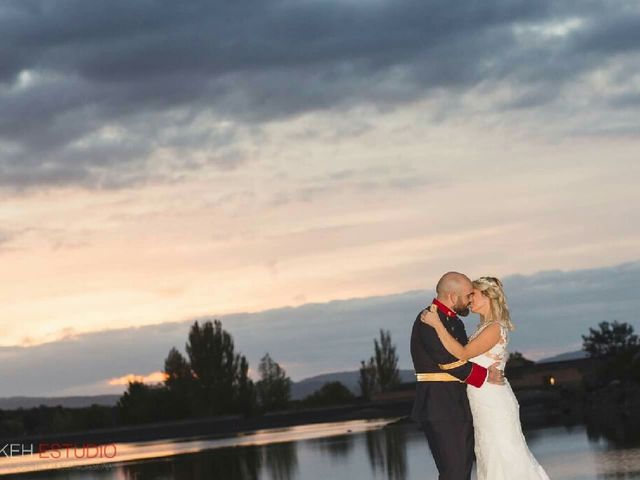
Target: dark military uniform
{"type": "Point", "coordinates": [441, 405]}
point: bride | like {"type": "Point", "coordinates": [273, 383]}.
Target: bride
{"type": "Point", "coordinates": [500, 447]}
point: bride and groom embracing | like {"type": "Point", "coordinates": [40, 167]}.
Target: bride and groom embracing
{"type": "Point", "coordinates": [483, 417]}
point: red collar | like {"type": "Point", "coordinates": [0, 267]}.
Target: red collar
{"type": "Point", "coordinates": [444, 309]}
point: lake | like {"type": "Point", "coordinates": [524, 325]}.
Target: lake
{"type": "Point", "coordinates": [375, 449]}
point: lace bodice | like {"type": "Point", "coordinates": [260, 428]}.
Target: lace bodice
{"type": "Point", "coordinates": [498, 353]}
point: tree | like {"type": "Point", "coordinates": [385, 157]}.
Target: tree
{"type": "Point", "coordinates": [176, 369]}
{"type": "Point", "coordinates": [381, 371]}
{"type": "Point", "coordinates": [180, 383]}
{"type": "Point", "coordinates": [386, 361]}
{"type": "Point", "coordinates": [142, 403]}
{"type": "Point", "coordinates": [274, 387]}
{"type": "Point", "coordinates": [246, 393]}
{"type": "Point", "coordinates": [332, 393]}
{"type": "Point", "coordinates": [368, 382]}
{"type": "Point", "coordinates": [219, 372]}
{"type": "Point", "coordinates": [610, 339]}
{"type": "Point", "coordinates": [516, 360]}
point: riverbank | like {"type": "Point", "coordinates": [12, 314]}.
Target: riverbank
{"type": "Point", "coordinates": [538, 408]}
{"type": "Point", "coordinates": [613, 412]}
{"type": "Point", "coordinates": [216, 427]}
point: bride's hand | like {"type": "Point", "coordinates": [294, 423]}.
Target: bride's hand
{"type": "Point", "coordinates": [430, 317]}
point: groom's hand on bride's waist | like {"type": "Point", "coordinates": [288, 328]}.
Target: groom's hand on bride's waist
{"type": "Point", "coordinates": [495, 376]}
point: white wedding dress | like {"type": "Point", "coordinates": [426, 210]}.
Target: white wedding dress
{"type": "Point", "coordinates": [500, 447]}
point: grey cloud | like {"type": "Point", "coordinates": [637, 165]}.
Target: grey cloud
{"type": "Point", "coordinates": [70, 68]}
{"type": "Point", "coordinates": [628, 100]}
{"type": "Point", "coordinates": [550, 309]}
{"type": "Point", "coordinates": [615, 33]}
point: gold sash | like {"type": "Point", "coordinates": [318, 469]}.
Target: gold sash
{"type": "Point", "coordinates": [436, 377]}
{"type": "Point", "coordinates": [449, 366]}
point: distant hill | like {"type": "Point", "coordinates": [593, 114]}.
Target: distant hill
{"type": "Point", "coordinates": [563, 357]}
{"type": "Point", "coordinates": [299, 390]}
{"type": "Point", "coordinates": [13, 403]}
{"type": "Point", "coordinates": [349, 379]}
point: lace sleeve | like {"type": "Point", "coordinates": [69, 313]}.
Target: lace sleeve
{"type": "Point", "coordinates": [498, 352]}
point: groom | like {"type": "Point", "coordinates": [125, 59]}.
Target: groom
{"type": "Point", "coordinates": [441, 404]}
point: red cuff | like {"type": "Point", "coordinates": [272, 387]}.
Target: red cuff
{"type": "Point", "coordinates": [477, 376]}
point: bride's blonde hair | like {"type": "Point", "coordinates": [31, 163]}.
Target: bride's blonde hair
{"type": "Point", "coordinates": [492, 288]}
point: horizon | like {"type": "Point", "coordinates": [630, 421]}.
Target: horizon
{"type": "Point", "coordinates": [343, 326]}
{"type": "Point", "coordinates": [302, 380]}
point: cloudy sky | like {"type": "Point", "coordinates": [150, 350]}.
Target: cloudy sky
{"type": "Point", "coordinates": [163, 161]}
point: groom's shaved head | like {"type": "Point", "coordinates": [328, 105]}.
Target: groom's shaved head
{"type": "Point", "coordinates": [452, 282]}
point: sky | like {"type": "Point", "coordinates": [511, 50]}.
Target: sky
{"type": "Point", "coordinates": [166, 161]}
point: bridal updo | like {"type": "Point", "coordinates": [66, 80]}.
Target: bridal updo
{"type": "Point", "coordinates": [492, 288]}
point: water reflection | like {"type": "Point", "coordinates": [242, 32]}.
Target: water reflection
{"type": "Point", "coordinates": [387, 452]}
{"type": "Point", "coordinates": [336, 447]}
{"type": "Point", "coordinates": [617, 428]}
{"type": "Point", "coordinates": [235, 462]}
{"type": "Point", "coordinates": [165, 449]}
{"type": "Point", "coordinates": [278, 461]}
{"type": "Point", "coordinates": [393, 452]}
{"type": "Point", "coordinates": [281, 461]}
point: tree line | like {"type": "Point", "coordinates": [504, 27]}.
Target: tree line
{"type": "Point", "coordinates": [619, 348]}
{"type": "Point", "coordinates": [211, 378]}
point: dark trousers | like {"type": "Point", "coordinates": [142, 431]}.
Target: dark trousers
{"type": "Point", "coordinates": [451, 445]}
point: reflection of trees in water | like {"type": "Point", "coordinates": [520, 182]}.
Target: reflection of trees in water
{"type": "Point", "coordinates": [337, 447]}
{"type": "Point", "coordinates": [532, 435]}
{"type": "Point", "coordinates": [620, 429]}
{"type": "Point", "coordinates": [281, 460]}
{"type": "Point", "coordinates": [94, 472]}
{"type": "Point", "coordinates": [387, 451]}
{"type": "Point", "coordinates": [234, 462]}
